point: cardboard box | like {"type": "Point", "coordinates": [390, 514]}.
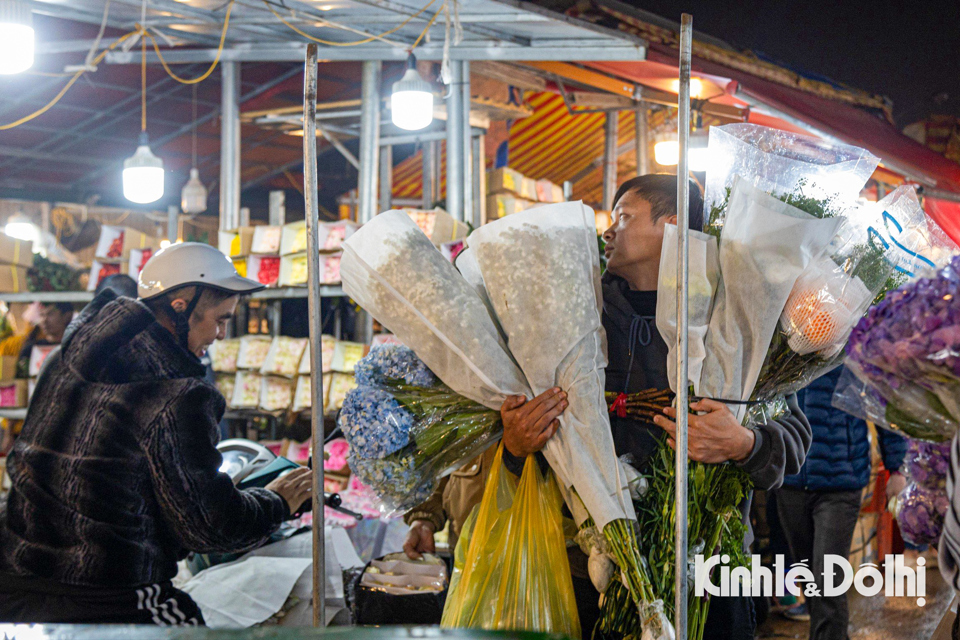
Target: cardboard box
{"type": "Point", "coordinates": [328, 344]}
{"type": "Point", "coordinates": [549, 192]}
{"type": "Point", "coordinates": [501, 205]}
{"type": "Point", "coordinates": [246, 390]}
{"type": "Point", "coordinates": [505, 179]}
{"type": "Point", "coordinates": [266, 240]}
{"type": "Point", "coordinates": [16, 252]}
{"type": "Point", "coordinates": [14, 394]}
{"type": "Point", "coordinates": [302, 395]}
{"type": "Point", "coordinates": [8, 367]}
{"type": "Point", "coordinates": [38, 355]}
{"type": "Point", "coordinates": [438, 225]}
{"type": "Point", "coordinates": [294, 238]}
{"type": "Point", "coordinates": [276, 394]}
{"type": "Point", "coordinates": [138, 258]}
{"type": "Point", "coordinates": [263, 269]}
{"type": "Point", "coordinates": [98, 272]}
{"type": "Point", "coordinates": [236, 242]}
{"type": "Point", "coordinates": [116, 243]}
{"type": "Point", "coordinates": [330, 235]}
{"type": "Point", "coordinates": [528, 188]}
{"type": "Point", "coordinates": [13, 279]}
{"type": "Point", "coordinates": [253, 351]}
{"type": "Point", "coordinates": [293, 270]}
{"type": "Point", "coordinates": [346, 355]}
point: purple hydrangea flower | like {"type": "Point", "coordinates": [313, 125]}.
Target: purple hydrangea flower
{"type": "Point", "coordinates": [927, 463]}
{"type": "Point", "coordinates": [920, 514]}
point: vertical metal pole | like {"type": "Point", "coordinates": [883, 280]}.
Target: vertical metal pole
{"type": "Point", "coordinates": [568, 190]}
{"type": "Point", "coordinates": [468, 186]}
{"type": "Point", "coordinates": [369, 140]}
{"type": "Point", "coordinates": [316, 328]}
{"type": "Point", "coordinates": [455, 143]}
{"type": "Point", "coordinates": [479, 181]}
{"type": "Point", "coordinates": [683, 224]}
{"type": "Point", "coordinates": [610, 159]}
{"type": "Point", "coordinates": [386, 178]}
{"type": "Point", "coordinates": [427, 174]}
{"type": "Point", "coordinates": [278, 208]}
{"type": "Point", "coordinates": [229, 145]}
{"type": "Point", "coordinates": [641, 140]}
{"type": "Point", "coordinates": [173, 223]}
{"type": "Point", "coordinates": [45, 224]}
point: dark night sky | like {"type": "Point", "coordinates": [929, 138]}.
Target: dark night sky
{"type": "Point", "coordinates": [907, 51]}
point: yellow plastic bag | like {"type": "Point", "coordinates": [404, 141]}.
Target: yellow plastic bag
{"type": "Point", "coordinates": [510, 565]}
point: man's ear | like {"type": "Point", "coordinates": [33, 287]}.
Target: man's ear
{"type": "Point", "coordinates": [672, 220]}
{"type": "Point", "coordinates": [179, 305]}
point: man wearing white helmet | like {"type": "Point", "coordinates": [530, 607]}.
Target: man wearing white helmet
{"type": "Point", "coordinates": [115, 475]}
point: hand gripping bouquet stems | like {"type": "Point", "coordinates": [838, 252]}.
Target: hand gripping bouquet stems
{"type": "Point", "coordinates": [906, 354]}
{"type": "Point", "coordinates": [542, 275]}
{"type": "Point", "coordinates": [407, 430]}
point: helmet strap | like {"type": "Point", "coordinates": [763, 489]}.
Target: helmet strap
{"type": "Point", "coordinates": [183, 319]}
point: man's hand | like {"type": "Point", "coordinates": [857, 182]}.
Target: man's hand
{"type": "Point", "coordinates": [419, 539]}
{"type": "Point", "coordinates": [896, 483]}
{"type": "Point", "coordinates": [294, 487]}
{"type": "Point", "coordinates": [714, 437]}
{"type": "Point", "coordinates": [528, 425]}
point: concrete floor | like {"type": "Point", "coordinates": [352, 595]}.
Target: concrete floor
{"type": "Point", "coordinates": [880, 618]}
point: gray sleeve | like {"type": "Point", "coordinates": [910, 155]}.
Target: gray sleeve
{"type": "Point", "coordinates": [949, 555]}
{"type": "Point", "coordinates": [780, 448]}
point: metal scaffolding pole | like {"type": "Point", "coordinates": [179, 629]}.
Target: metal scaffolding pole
{"type": "Point", "coordinates": [316, 329]}
{"type": "Point", "coordinates": [610, 159]}
{"type": "Point", "coordinates": [230, 145]}
{"type": "Point", "coordinates": [386, 178]}
{"type": "Point", "coordinates": [469, 210]}
{"type": "Point", "coordinates": [429, 159]}
{"type": "Point", "coordinates": [641, 140]}
{"type": "Point", "coordinates": [479, 181]}
{"type": "Point", "coordinates": [683, 257]}
{"type": "Point", "coordinates": [455, 153]}
{"type": "Point", "coordinates": [369, 141]}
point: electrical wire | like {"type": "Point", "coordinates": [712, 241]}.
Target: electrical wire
{"type": "Point", "coordinates": [349, 44]}
{"type": "Point", "coordinates": [42, 110]}
{"type": "Point", "coordinates": [429, 24]}
{"type": "Point", "coordinates": [143, 80]}
{"type": "Point", "coordinates": [216, 59]}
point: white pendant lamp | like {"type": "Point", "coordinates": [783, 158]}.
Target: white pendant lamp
{"type": "Point", "coordinates": [411, 103]}
{"type": "Point", "coordinates": [16, 37]}
{"type": "Point", "coordinates": [143, 174]}
{"type": "Point", "coordinates": [193, 197]}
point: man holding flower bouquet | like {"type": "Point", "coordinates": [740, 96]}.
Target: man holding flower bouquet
{"type": "Point", "coordinates": [637, 360]}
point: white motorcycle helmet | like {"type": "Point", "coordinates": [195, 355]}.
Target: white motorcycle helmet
{"type": "Point", "coordinates": [190, 264]}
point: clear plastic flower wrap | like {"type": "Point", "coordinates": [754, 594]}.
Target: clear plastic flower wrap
{"type": "Point", "coordinates": [394, 272]}
{"type": "Point", "coordinates": [253, 351]}
{"type": "Point", "coordinates": [875, 250]}
{"type": "Point", "coordinates": [905, 354]}
{"type": "Point", "coordinates": [407, 430]}
{"type": "Point", "coordinates": [920, 513]}
{"type": "Point", "coordinates": [223, 355]}
{"type": "Point", "coordinates": [283, 357]}
{"type": "Point", "coordinates": [781, 164]}
{"type": "Point", "coordinates": [926, 464]}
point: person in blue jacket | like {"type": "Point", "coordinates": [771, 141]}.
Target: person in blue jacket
{"type": "Point", "coordinates": [819, 506]}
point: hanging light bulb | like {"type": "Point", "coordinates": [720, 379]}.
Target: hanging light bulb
{"type": "Point", "coordinates": [21, 227]}
{"type": "Point", "coordinates": [193, 198]}
{"type": "Point", "coordinates": [143, 174]}
{"type": "Point", "coordinates": [16, 37]}
{"type": "Point", "coordinates": [411, 104]}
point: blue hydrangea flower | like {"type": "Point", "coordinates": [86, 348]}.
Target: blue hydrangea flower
{"type": "Point", "coordinates": [374, 423]}
{"type": "Point", "coordinates": [393, 362]}
{"type": "Point", "coordinates": [398, 482]}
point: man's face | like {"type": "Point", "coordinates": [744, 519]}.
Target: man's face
{"type": "Point", "coordinates": [210, 325]}
{"type": "Point", "coordinates": [633, 240]}
{"type": "Point", "coordinates": [53, 322]}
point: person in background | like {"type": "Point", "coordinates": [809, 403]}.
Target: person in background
{"type": "Point", "coordinates": [819, 506]}
{"type": "Point", "coordinates": [45, 325]}
{"type": "Point", "coordinates": [121, 284]}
